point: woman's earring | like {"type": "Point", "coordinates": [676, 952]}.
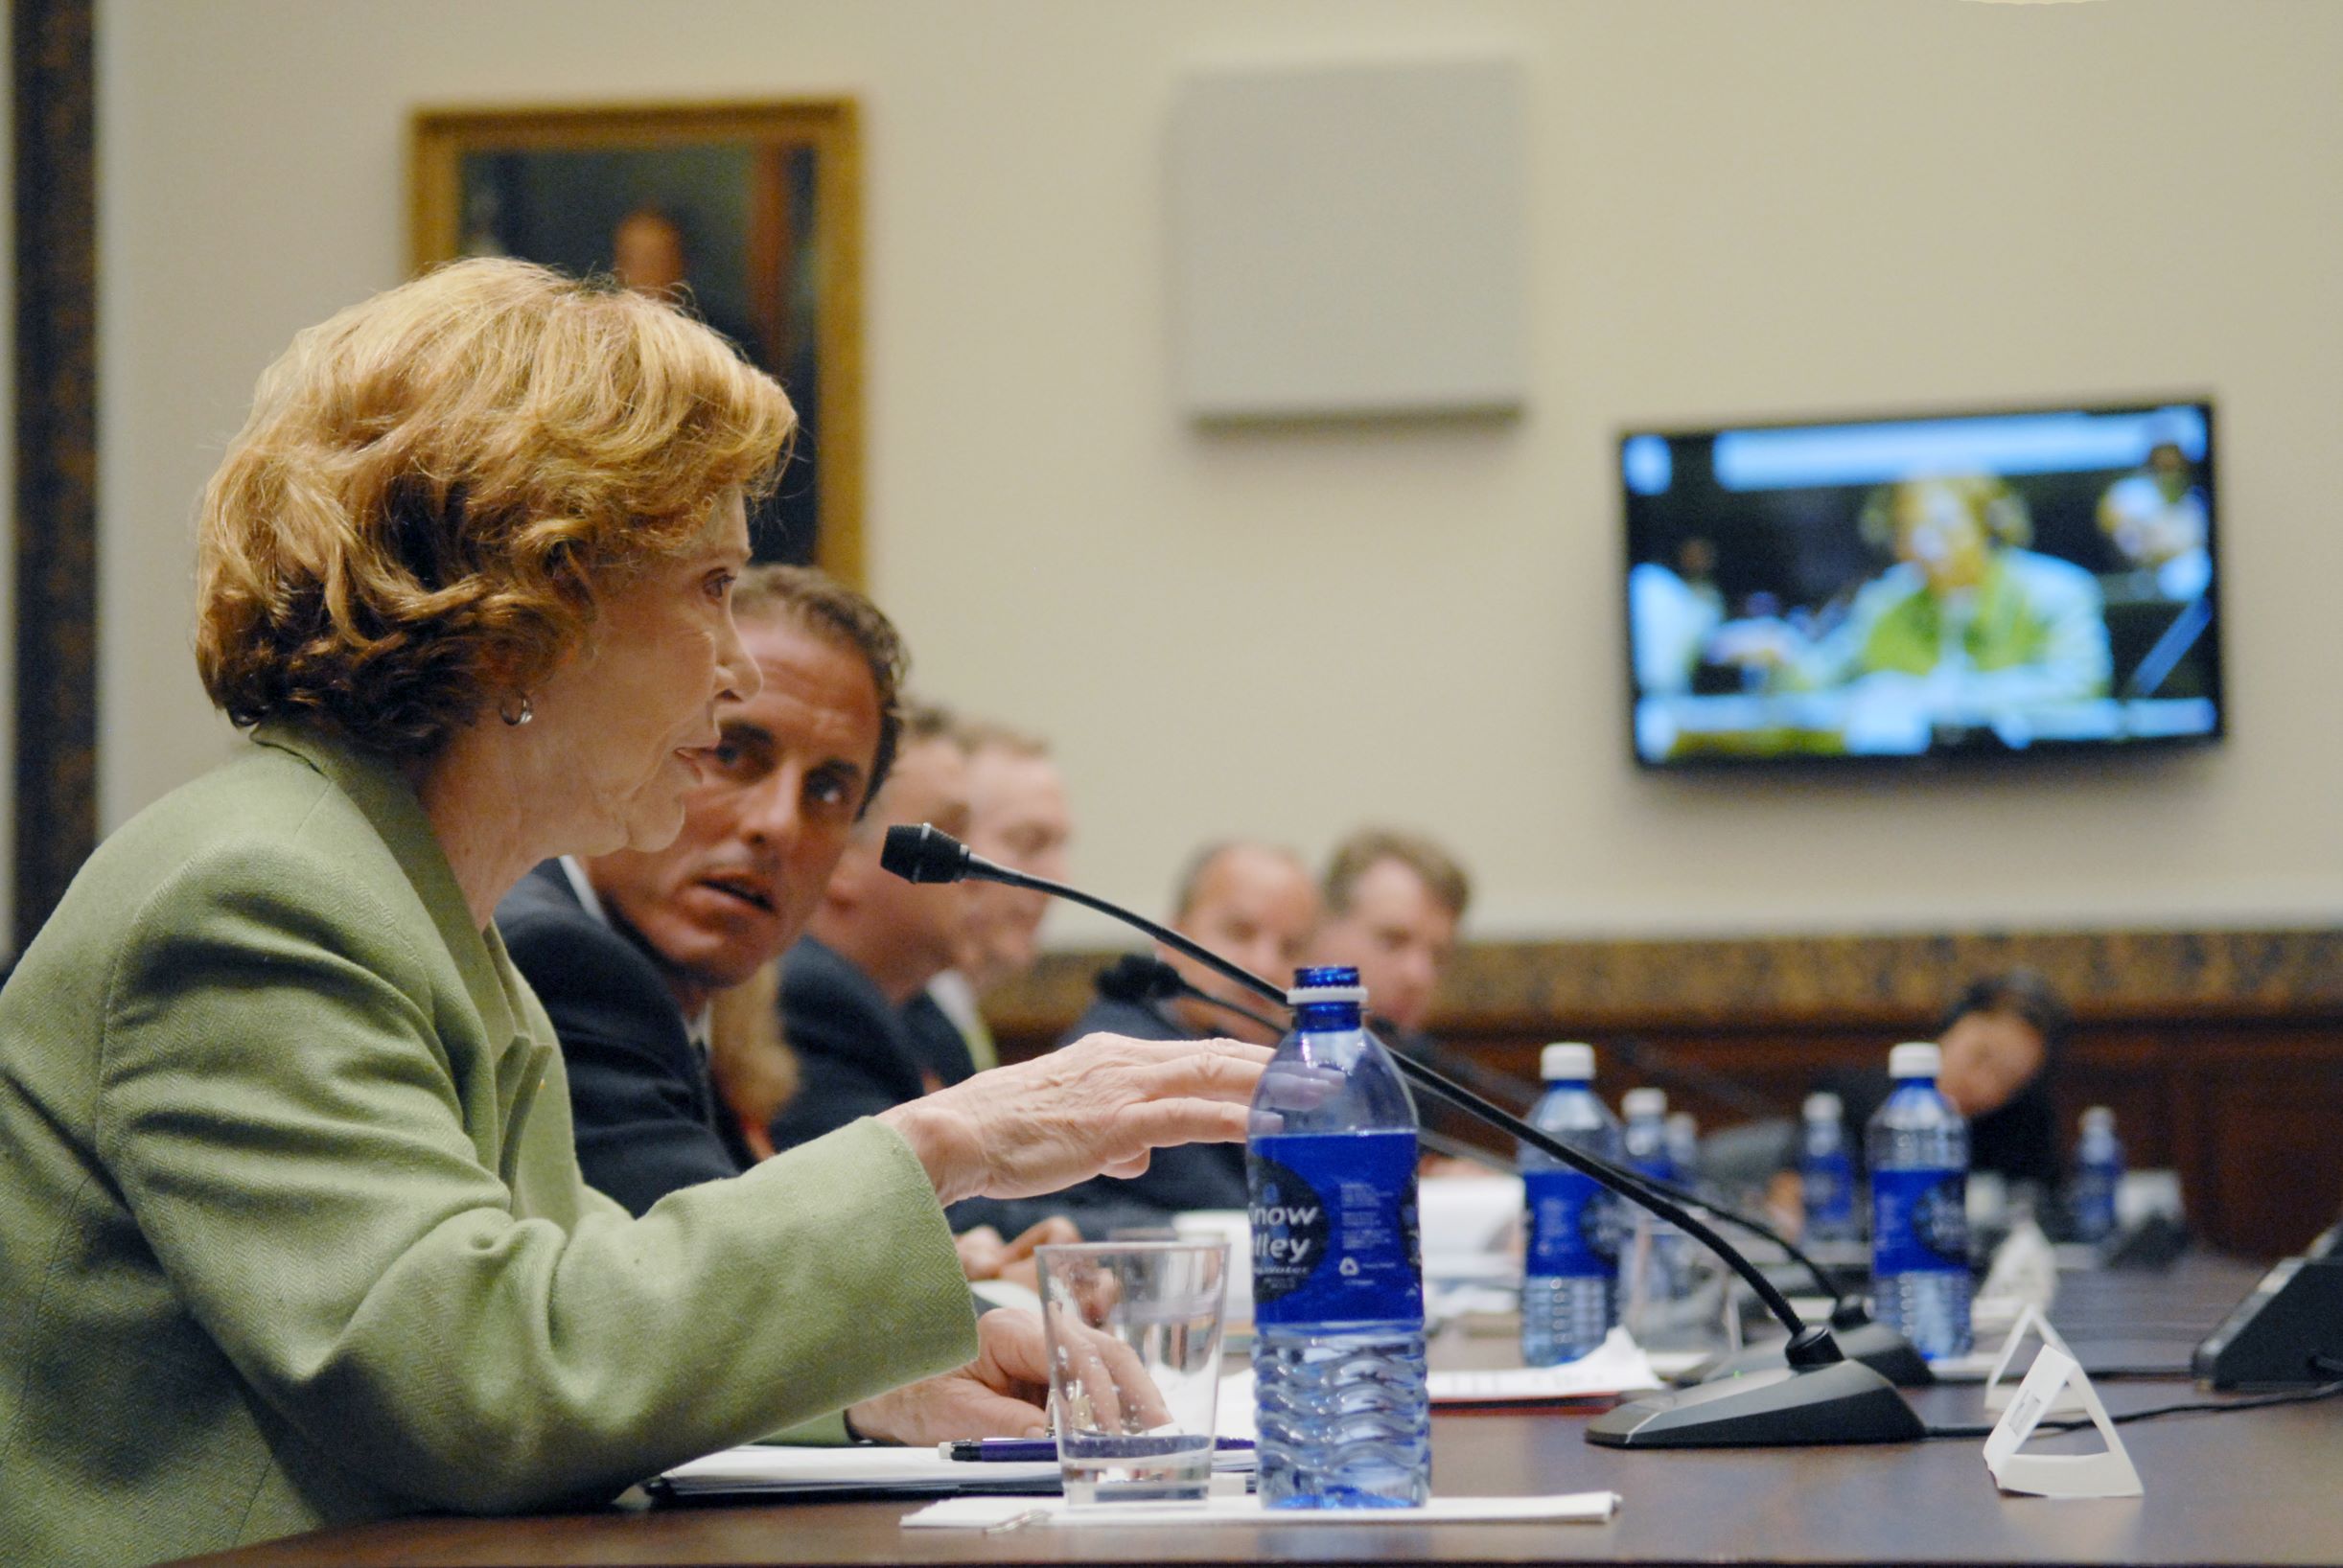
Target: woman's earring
{"type": "Point", "coordinates": [527, 712]}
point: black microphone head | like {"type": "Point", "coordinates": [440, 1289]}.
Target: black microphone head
{"type": "Point", "coordinates": [1137, 978]}
{"type": "Point", "coordinates": [923, 854]}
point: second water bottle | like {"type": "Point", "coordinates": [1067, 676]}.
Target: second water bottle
{"type": "Point", "coordinates": [1571, 1270]}
{"type": "Point", "coordinates": [1918, 1147]}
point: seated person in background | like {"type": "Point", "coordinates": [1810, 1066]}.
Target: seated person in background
{"type": "Point", "coordinates": [1393, 900]}
{"type": "Point", "coordinates": [2001, 1040]}
{"type": "Point", "coordinates": [872, 943]}
{"type": "Point", "coordinates": [627, 950]}
{"type": "Point", "coordinates": [1017, 817]}
{"type": "Point", "coordinates": [1255, 905]}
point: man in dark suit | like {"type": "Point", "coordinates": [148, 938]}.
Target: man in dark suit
{"type": "Point", "coordinates": [872, 944]}
{"type": "Point", "coordinates": [627, 950]}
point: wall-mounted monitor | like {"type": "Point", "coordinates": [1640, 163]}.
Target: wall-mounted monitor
{"type": "Point", "coordinates": [1975, 585]}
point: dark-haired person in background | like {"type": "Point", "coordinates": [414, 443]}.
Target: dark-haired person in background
{"type": "Point", "coordinates": [2001, 1038]}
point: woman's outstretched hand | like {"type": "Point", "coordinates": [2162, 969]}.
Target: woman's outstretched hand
{"type": "Point", "coordinates": [1098, 1106]}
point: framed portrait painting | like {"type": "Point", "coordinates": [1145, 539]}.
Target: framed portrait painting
{"type": "Point", "coordinates": [748, 212]}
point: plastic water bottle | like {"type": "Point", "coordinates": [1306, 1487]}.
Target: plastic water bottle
{"type": "Point", "coordinates": [1344, 1411]}
{"type": "Point", "coordinates": [1570, 1271]}
{"type": "Point", "coordinates": [1919, 1153]}
{"type": "Point", "coordinates": [1658, 1245]}
{"type": "Point", "coordinates": [1826, 1170]}
{"type": "Point", "coordinates": [1683, 1135]}
{"type": "Point", "coordinates": [1646, 1132]}
{"type": "Point", "coordinates": [2098, 1170]}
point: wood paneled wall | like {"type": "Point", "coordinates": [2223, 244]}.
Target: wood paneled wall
{"type": "Point", "coordinates": [2221, 1052]}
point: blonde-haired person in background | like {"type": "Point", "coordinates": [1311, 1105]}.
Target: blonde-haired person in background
{"type": "Point", "coordinates": [291, 1231]}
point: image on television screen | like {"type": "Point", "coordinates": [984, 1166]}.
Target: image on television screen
{"type": "Point", "coordinates": [1990, 583]}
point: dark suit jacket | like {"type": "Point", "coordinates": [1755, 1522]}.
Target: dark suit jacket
{"type": "Point", "coordinates": [648, 1119]}
{"type": "Point", "coordinates": [854, 1056]}
{"type": "Point", "coordinates": [940, 1049]}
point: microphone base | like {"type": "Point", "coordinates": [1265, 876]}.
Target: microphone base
{"type": "Point", "coordinates": [1844, 1402]}
{"type": "Point", "coordinates": [1875, 1345]}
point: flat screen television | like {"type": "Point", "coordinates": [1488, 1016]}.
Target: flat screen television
{"type": "Point", "coordinates": [2021, 582]}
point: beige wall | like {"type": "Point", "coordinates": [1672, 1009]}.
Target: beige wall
{"type": "Point", "coordinates": [1738, 211]}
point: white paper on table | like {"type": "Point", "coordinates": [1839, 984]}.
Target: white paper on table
{"type": "Point", "coordinates": [987, 1512]}
{"type": "Point", "coordinates": [1617, 1366]}
{"type": "Point", "coordinates": [778, 1468]}
{"type": "Point", "coordinates": [1998, 1393]}
{"type": "Point", "coordinates": [2108, 1474]}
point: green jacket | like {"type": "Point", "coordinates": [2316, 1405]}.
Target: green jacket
{"type": "Point", "coordinates": [292, 1232]}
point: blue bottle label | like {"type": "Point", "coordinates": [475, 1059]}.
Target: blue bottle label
{"type": "Point", "coordinates": [1334, 1227]}
{"type": "Point", "coordinates": [1919, 1221]}
{"type": "Point", "coordinates": [1573, 1224]}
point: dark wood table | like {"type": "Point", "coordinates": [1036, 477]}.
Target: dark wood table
{"type": "Point", "coordinates": [2250, 1487]}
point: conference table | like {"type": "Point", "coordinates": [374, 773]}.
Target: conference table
{"type": "Point", "coordinates": [2259, 1486]}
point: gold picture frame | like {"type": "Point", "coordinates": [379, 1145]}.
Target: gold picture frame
{"type": "Point", "coordinates": [756, 206]}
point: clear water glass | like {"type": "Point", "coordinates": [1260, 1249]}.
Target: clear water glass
{"type": "Point", "coordinates": [1133, 1334]}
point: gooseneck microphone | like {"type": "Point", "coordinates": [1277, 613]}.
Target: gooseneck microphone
{"type": "Point", "coordinates": [1816, 1397]}
{"type": "Point", "coordinates": [1138, 979]}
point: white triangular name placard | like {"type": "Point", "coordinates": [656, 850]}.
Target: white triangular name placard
{"type": "Point", "coordinates": [1998, 1393]}
{"type": "Point", "coordinates": [2108, 1474]}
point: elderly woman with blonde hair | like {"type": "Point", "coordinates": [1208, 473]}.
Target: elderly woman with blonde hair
{"type": "Point", "coordinates": [292, 1232]}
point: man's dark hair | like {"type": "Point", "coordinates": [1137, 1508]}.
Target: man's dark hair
{"type": "Point", "coordinates": [818, 603]}
{"type": "Point", "coordinates": [2021, 993]}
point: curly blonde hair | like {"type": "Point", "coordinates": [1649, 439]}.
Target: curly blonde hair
{"type": "Point", "coordinates": [435, 485]}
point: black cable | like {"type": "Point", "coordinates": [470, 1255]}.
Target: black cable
{"type": "Point", "coordinates": [2187, 1407]}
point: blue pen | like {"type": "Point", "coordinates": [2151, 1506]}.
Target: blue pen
{"type": "Point", "coordinates": [1027, 1450]}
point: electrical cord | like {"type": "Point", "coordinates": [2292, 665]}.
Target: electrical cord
{"type": "Point", "coordinates": [2187, 1407]}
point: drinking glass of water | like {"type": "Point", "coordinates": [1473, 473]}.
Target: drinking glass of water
{"type": "Point", "coordinates": [1134, 1333]}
